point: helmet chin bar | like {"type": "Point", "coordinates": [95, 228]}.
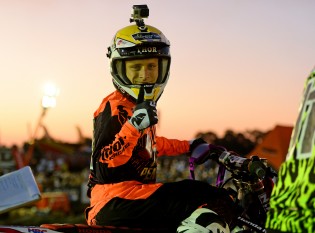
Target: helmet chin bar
{"type": "Point", "coordinates": [148, 91]}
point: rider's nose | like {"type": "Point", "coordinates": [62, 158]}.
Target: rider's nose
{"type": "Point", "coordinates": [144, 74]}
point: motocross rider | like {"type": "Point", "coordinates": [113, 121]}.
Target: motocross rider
{"type": "Point", "coordinates": [292, 200]}
{"type": "Point", "coordinates": [122, 183]}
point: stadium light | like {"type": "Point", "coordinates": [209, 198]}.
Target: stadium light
{"type": "Point", "coordinates": [48, 101]}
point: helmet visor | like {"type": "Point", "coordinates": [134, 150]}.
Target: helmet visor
{"type": "Point", "coordinates": [141, 71]}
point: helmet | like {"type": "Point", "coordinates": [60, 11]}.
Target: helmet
{"type": "Point", "coordinates": [302, 143]}
{"type": "Point", "coordinates": [139, 42]}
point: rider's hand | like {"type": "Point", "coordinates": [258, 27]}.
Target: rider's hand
{"type": "Point", "coordinates": [199, 150]}
{"type": "Point", "coordinates": [202, 152]}
{"type": "Point", "coordinates": [196, 142]}
{"type": "Point", "coordinates": [144, 115]}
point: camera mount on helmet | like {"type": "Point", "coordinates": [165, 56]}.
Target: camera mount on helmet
{"type": "Point", "coordinates": [138, 13]}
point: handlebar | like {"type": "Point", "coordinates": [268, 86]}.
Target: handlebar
{"type": "Point", "coordinates": [236, 164]}
{"type": "Point", "coordinates": [233, 163]}
{"type": "Point", "coordinates": [249, 175]}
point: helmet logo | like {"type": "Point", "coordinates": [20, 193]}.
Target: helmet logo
{"type": "Point", "coordinates": [147, 50]}
{"type": "Point", "coordinates": [146, 36]}
{"type": "Point", "coordinates": [121, 43]}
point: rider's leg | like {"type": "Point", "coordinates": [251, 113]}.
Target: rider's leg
{"type": "Point", "coordinates": [168, 206]}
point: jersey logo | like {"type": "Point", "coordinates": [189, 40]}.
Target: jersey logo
{"type": "Point", "coordinates": [122, 114]}
{"type": "Point", "coordinates": [113, 150]}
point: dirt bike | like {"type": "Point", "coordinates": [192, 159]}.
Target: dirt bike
{"type": "Point", "coordinates": [248, 180]}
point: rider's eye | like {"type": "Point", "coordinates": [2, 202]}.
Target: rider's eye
{"type": "Point", "coordinates": [136, 67]}
{"type": "Point", "coordinates": [151, 66]}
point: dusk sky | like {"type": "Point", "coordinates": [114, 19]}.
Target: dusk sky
{"type": "Point", "coordinates": [237, 65]}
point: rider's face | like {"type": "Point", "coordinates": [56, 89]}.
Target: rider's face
{"type": "Point", "coordinates": [142, 71]}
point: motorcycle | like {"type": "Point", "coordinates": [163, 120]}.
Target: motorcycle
{"type": "Point", "coordinates": [249, 182]}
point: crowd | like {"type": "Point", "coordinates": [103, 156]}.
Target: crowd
{"type": "Point", "coordinates": [55, 176]}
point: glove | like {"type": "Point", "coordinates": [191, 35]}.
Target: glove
{"type": "Point", "coordinates": [203, 151]}
{"type": "Point", "coordinates": [144, 116]}
{"type": "Point", "coordinates": [195, 143]}
{"type": "Point", "coordinates": [199, 150]}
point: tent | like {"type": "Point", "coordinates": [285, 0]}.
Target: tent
{"type": "Point", "coordinates": [274, 146]}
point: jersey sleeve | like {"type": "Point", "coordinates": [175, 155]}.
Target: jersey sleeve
{"type": "Point", "coordinates": [119, 151]}
{"type": "Point", "coordinates": [171, 147]}
{"type": "Point", "coordinates": [114, 138]}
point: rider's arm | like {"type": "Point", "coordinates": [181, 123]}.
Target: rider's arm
{"type": "Point", "coordinates": [119, 151]}
{"type": "Point", "coordinates": [114, 137]}
{"type": "Point", "coordinates": [171, 147]}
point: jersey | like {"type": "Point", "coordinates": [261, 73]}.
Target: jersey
{"type": "Point", "coordinates": [293, 197]}
{"type": "Point", "coordinates": [124, 160]}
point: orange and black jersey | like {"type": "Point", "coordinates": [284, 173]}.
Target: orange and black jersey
{"type": "Point", "coordinates": [120, 152]}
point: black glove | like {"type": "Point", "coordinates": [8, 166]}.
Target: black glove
{"type": "Point", "coordinates": [199, 149]}
{"type": "Point", "coordinates": [144, 115]}
{"type": "Point", "coordinates": [195, 143]}
{"type": "Point", "coordinates": [203, 151]}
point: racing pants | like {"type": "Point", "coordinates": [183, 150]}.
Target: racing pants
{"type": "Point", "coordinates": [167, 206]}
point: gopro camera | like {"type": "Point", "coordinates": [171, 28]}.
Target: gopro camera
{"type": "Point", "coordinates": [139, 12]}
